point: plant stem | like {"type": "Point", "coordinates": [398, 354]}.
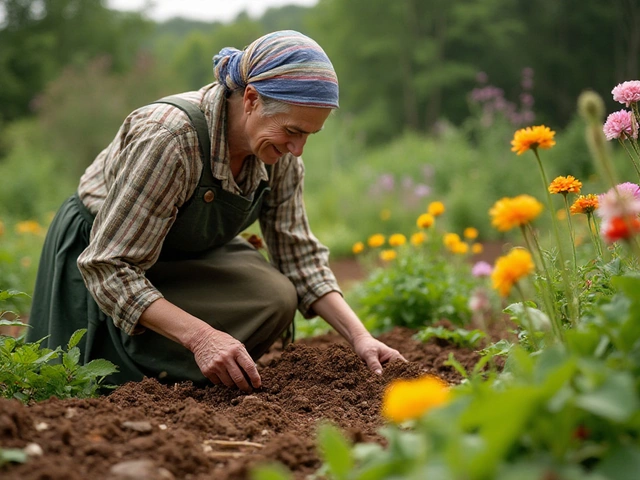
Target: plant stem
{"type": "Point", "coordinates": [530, 329]}
{"type": "Point", "coordinates": [626, 149]}
{"type": "Point", "coordinates": [571, 233]}
{"type": "Point", "coordinates": [594, 234]}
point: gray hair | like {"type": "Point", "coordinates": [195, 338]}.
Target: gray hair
{"type": "Point", "coordinates": [271, 107]}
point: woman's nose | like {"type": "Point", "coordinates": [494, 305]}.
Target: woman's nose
{"type": "Point", "coordinates": [296, 146]}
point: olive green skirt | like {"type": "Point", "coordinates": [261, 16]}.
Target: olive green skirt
{"type": "Point", "coordinates": [233, 288]}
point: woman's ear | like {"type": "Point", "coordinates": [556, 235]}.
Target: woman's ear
{"type": "Point", "coordinates": [250, 99]}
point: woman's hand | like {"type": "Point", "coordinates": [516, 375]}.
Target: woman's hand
{"type": "Point", "coordinates": [374, 352]}
{"type": "Point", "coordinates": [223, 359]}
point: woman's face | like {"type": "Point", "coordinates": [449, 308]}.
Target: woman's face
{"type": "Point", "coordinates": [272, 137]}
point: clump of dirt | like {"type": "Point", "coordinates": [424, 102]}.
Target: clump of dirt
{"type": "Point", "coordinates": [153, 431]}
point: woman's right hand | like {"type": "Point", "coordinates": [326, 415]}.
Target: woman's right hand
{"type": "Point", "coordinates": [223, 359]}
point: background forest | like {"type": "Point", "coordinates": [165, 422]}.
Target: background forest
{"type": "Point", "coordinates": [431, 93]}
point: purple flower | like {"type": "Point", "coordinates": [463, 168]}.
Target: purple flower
{"type": "Point", "coordinates": [481, 269]}
{"type": "Point", "coordinates": [386, 182]}
{"type": "Point", "coordinates": [620, 125]}
{"type": "Point", "coordinates": [421, 190]}
{"type": "Point", "coordinates": [627, 92]}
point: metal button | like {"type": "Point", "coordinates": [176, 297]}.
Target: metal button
{"type": "Point", "coordinates": [208, 196]}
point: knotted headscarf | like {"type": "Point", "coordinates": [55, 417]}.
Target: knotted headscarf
{"type": "Point", "coordinates": [285, 65]}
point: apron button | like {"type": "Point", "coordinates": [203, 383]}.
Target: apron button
{"type": "Point", "coordinates": [208, 196]}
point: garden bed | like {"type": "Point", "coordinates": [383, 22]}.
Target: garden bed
{"type": "Point", "coordinates": [178, 431]}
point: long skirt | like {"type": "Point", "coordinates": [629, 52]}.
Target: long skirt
{"type": "Point", "coordinates": [233, 288]}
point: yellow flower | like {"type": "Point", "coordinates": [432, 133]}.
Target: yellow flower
{"type": "Point", "coordinates": [561, 214]}
{"type": "Point", "coordinates": [459, 247]}
{"type": "Point", "coordinates": [418, 238]}
{"type": "Point", "coordinates": [510, 268]}
{"type": "Point", "coordinates": [1, 228]}
{"type": "Point", "coordinates": [470, 233]}
{"type": "Point", "coordinates": [29, 226]}
{"type": "Point", "coordinates": [477, 248]}
{"type": "Point", "coordinates": [507, 213]}
{"type": "Point", "coordinates": [357, 248]}
{"type": "Point", "coordinates": [376, 240]}
{"type": "Point", "coordinates": [410, 399]}
{"type": "Point", "coordinates": [435, 208]}
{"type": "Point", "coordinates": [450, 239]}
{"type": "Point", "coordinates": [385, 214]}
{"type": "Point", "coordinates": [584, 204]}
{"type": "Point", "coordinates": [532, 138]}
{"type": "Point", "coordinates": [565, 185]}
{"type": "Point", "coordinates": [388, 255]}
{"type": "Point", "coordinates": [397, 239]}
{"type": "Point", "coordinates": [425, 220]}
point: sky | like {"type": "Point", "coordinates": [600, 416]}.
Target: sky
{"type": "Point", "coordinates": [205, 10]}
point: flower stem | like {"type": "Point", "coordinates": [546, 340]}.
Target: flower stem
{"type": "Point", "coordinates": [571, 232]}
{"type": "Point", "coordinates": [593, 230]}
{"type": "Point", "coordinates": [530, 328]}
{"type": "Point", "coordinates": [635, 149]}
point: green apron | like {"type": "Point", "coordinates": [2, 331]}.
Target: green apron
{"type": "Point", "coordinates": [204, 267]}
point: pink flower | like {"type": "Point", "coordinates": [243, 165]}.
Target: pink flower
{"type": "Point", "coordinates": [620, 201]}
{"type": "Point", "coordinates": [627, 92]}
{"type": "Point", "coordinates": [620, 125]}
{"type": "Point", "coordinates": [481, 269]}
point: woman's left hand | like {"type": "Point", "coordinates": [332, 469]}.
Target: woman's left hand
{"type": "Point", "coordinates": [374, 352]}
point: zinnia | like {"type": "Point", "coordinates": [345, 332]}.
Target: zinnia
{"type": "Point", "coordinates": [627, 92]}
{"type": "Point", "coordinates": [564, 185]}
{"type": "Point", "coordinates": [510, 268]}
{"type": "Point", "coordinates": [357, 248]}
{"type": "Point", "coordinates": [532, 138]}
{"type": "Point", "coordinates": [450, 239]}
{"type": "Point", "coordinates": [620, 228]}
{"type": "Point", "coordinates": [410, 399]}
{"type": "Point", "coordinates": [388, 255]}
{"type": "Point", "coordinates": [376, 240]}
{"type": "Point", "coordinates": [477, 248]}
{"type": "Point", "coordinates": [418, 238]}
{"type": "Point", "coordinates": [436, 208]}
{"type": "Point", "coordinates": [584, 204]}
{"type": "Point", "coordinates": [508, 213]}
{"type": "Point", "coordinates": [425, 220]}
{"type": "Point", "coordinates": [397, 239]}
{"type": "Point", "coordinates": [470, 233]}
{"type": "Point", "coordinates": [620, 125]}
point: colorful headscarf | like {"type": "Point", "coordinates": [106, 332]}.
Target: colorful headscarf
{"type": "Point", "coordinates": [285, 65]}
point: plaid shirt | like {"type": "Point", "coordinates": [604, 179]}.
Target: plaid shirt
{"type": "Point", "coordinates": [137, 184]}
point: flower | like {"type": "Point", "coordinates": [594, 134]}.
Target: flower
{"type": "Point", "coordinates": [620, 228]}
{"type": "Point", "coordinates": [459, 247]}
{"type": "Point", "coordinates": [450, 239]}
{"type": "Point", "coordinates": [470, 233]}
{"type": "Point", "coordinates": [376, 240]}
{"type": "Point", "coordinates": [1, 228]}
{"type": "Point", "coordinates": [481, 269]}
{"type": "Point", "coordinates": [584, 204]}
{"type": "Point", "coordinates": [388, 255]}
{"type": "Point", "coordinates": [514, 212]}
{"type": "Point", "coordinates": [410, 399]}
{"type": "Point", "coordinates": [510, 268]}
{"type": "Point", "coordinates": [29, 226]}
{"type": "Point", "coordinates": [620, 125]}
{"type": "Point", "coordinates": [477, 248]}
{"type": "Point", "coordinates": [385, 214]}
{"type": "Point", "coordinates": [425, 220]}
{"type": "Point", "coordinates": [627, 92]}
{"type": "Point", "coordinates": [532, 138]}
{"type": "Point", "coordinates": [397, 239]}
{"type": "Point", "coordinates": [618, 201]}
{"type": "Point", "coordinates": [436, 208]}
{"type": "Point", "coordinates": [357, 248]}
{"type": "Point", "coordinates": [564, 185]}
{"type": "Point", "coordinates": [418, 238]}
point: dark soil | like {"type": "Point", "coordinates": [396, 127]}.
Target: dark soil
{"type": "Point", "coordinates": [154, 431]}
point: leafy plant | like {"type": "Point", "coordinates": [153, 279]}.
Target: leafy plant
{"type": "Point", "coordinates": [460, 336]}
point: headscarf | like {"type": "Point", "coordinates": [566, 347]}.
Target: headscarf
{"type": "Point", "coordinates": [284, 65]}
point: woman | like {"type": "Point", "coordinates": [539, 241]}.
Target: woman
{"type": "Point", "coordinates": [146, 255]}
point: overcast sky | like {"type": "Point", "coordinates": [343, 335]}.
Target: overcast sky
{"type": "Point", "coordinates": [205, 10]}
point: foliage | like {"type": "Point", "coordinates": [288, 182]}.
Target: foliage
{"type": "Point", "coordinates": [460, 336]}
{"type": "Point", "coordinates": [31, 373]}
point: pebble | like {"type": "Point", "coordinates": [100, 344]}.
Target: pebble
{"type": "Point", "coordinates": [33, 450]}
{"type": "Point", "coordinates": [139, 470]}
{"type": "Point", "coordinates": [140, 426]}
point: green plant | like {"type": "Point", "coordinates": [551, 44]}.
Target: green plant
{"type": "Point", "coordinates": [459, 336]}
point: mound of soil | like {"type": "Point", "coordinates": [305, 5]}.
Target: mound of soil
{"type": "Point", "coordinates": [149, 431]}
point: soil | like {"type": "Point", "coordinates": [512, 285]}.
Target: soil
{"type": "Point", "coordinates": [148, 430]}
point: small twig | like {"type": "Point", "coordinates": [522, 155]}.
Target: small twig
{"type": "Point", "coordinates": [233, 443]}
{"type": "Point", "coordinates": [226, 454]}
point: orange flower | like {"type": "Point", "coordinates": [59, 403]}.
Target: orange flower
{"type": "Point", "coordinates": [451, 239]}
{"type": "Point", "coordinates": [470, 233]}
{"type": "Point", "coordinates": [565, 185]}
{"type": "Point", "coordinates": [425, 220]}
{"type": "Point", "coordinates": [397, 239]}
{"type": "Point", "coordinates": [477, 248]}
{"type": "Point", "coordinates": [584, 204]}
{"type": "Point", "coordinates": [388, 255]}
{"type": "Point", "coordinates": [29, 227]}
{"type": "Point", "coordinates": [418, 238]}
{"type": "Point", "coordinates": [357, 248]}
{"type": "Point", "coordinates": [510, 268]}
{"type": "Point", "coordinates": [508, 213]}
{"type": "Point", "coordinates": [410, 399]}
{"type": "Point", "coordinates": [376, 240]}
{"type": "Point", "coordinates": [532, 138]}
{"type": "Point", "coordinates": [618, 228]}
{"type": "Point", "coordinates": [436, 208]}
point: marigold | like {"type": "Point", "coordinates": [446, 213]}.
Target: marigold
{"type": "Point", "coordinates": [508, 213]}
{"type": "Point", "coordinates": [584, 204]}
{"type": "Point", "coordinates": [376, 240]}
{"type": "Point", "coordinates": [470, 233]}
{"type": "Point", "coordinates": [477, 248]}
{"type": "Point", "coordinates": [357, 248]}
{"type": "Point", "coordinates": [564, 185]}
{"type": "Point", "coordinates": [510, 268]}
{"type": "Point", "coordinates": [459, 247]}
{"type": "Point", "coordinates": [425, 220]}
{"type": "Point", "coordinates": [388, 255]}
{"type": "Point", "coordinates": [410, 399]}
{"type": "Point", "coordinates": [436, 208]}
{"type": "Point", "coordinates": [451, 239]}
{"type": "Point", "coordinates": [397, 240]}
{"type": "Point", "coordinates": [620, 228]}
{"type": "Point", "coordinates": [418, 238]}
{"type": "Point", "coordinates": [532, 138]}
{"type": "Point", "coordinates": [29, 226]}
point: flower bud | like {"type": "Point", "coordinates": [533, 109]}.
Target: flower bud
{"type": "Point", "coordinates": [591, 106]}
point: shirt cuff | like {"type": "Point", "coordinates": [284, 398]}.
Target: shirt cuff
{"type": "Point", "coordinates": [304, 305]}
{"type": "Point", "coordinates": [129, 324]}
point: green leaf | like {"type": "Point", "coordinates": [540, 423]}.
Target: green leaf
{"type": "Point", "coordinates": [270, 472]}
{"type": "Point", "coordinates": [13, 323]}
{"type": "Point", "coordinates": [96, 368]}
{"type": "Point", "coordinates": [615, 399]}
{"type": "Point", "coordinates": [14, 455]}
{"type": "Point", "coordinates": [336, 451]}
{"type": "Point", "coordinates": [622, 464]}
{"type": "Point", "coordinates": [76, 337]}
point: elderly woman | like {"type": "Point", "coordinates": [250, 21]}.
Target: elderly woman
{"type": "Point", "coordinates": [147, 254]}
